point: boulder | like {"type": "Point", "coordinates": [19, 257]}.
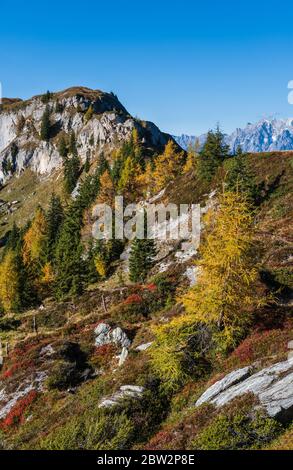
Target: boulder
{"type": "Point", "coordinates": [273, 386]}
{"type": "Point", "coordinates": [125, 391]}
{"type": "Point", "coordinates": [221, 385]}
{"type": "Point", "coordinates": [106, 335]}
{"type": "Point", "coordinates": [123, 356]}
{"type": "Point", "coordinates": [144, 346]}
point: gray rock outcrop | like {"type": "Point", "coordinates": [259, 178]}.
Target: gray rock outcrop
{"type": "Point", "coordinates": [110, 123]}
{"type": "Point", "coordinates": [125, 391]}
{"type": "Point", "coordinates": [106, 335]}
{"type": "Point", "coordinates": [273, 386]}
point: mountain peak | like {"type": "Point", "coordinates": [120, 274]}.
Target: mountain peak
{"type": "Point", "coordinates": [266, 135]}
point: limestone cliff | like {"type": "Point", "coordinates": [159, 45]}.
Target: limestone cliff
{"type": "Point", "coordinates": [109, 125]}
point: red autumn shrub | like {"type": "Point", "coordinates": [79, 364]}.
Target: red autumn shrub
{"type": "Point", "coordinates": [151, 287]}
{"type": "Point", "coordinates": [16, 414]}
{"type": "Point", "coordinates": [260, 345]}
{"type": "Point", "coordinates": [15, 367]}
{"type": "Point", "coordinates": [161, 440]}
{"type": "Point", "coordinates": [24, 349]}
{"type": "Point", "coordinates": [103, 355]}
{"type": "Point", "coordinates": [133, 299]}
{"type": "Point", "coordinates": [104, 350]}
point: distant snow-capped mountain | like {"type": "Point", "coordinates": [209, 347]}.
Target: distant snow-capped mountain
{"type": "Point", "coordinates": [264, 136]}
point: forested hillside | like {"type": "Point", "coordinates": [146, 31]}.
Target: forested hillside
{"type": "Point", "coordinates": [143, 344]}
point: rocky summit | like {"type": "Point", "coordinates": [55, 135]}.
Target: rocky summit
{"type": "Point", "coordinates": [20, 128]}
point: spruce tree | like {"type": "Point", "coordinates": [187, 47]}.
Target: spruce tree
{"type": "Point", "coordinates": [212, 155]}
{"type": "Point", "coordinates": [29, 295]}
{"type": "Point", "coordinates": [46, 124]}
{"type": "Point", "coordinates": [92, 273]}
{"type": "Point", "coordinates": [71, 166]}
{"type": "Point", "coordinates": [54, 217]}
{"type": "Point", "coordinates": [141, 259]}
{"type": "Point", "coordinates": [72, 144]}
{"type": "Point", "coordinates": [87, 163]}
{"type": "Point", "coordinates": [239, 177]}
{"type": "Point", "coordinates": [102, 165]}
{"type": "Point", "coordinates": [62, 147]}
{"type": "Point", "coordinates": [13, 239]}
{"type": "Point", "coordinates": [69, 264]}
{"type": "Point", "coordinates": [47, 97]}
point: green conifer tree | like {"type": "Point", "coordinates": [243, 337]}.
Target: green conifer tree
{"type": "Point", "coordinates": [54, 217]}
{"type": "Point", "coordinates": [71, 166]}
{"type": "Point", "coordinates": [87, 163]}
{"type": "Point", "coordinates": [62, 147]}
{"type": "Point", "coordinates": [69, 264]}
{"type": "Point", "coordinates": [212, 154]}
{"type": "Point", "coordinates": [13, 239]}
{"type": "Point", "coordinates": [239, 177]}
{"type": "Point", "coordinates": [46, 124]}
{"type": "Point", "coordinates": [141, 259]}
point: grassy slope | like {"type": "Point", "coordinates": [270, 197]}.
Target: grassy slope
{"type": "Point", "coordinates": [29, 190]}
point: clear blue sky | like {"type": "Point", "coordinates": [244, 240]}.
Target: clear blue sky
{"type": "Point", "coordinates": [184, 65]}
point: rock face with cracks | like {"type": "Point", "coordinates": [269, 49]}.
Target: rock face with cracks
{"type": "Point", "coordinates": [106, 335]}
{"type": "Point", "coordinates": [110, 123]}
{"type": "Point", "coordinates": [125, 391]}
{"type": "Point", "coordinates": [273, 386]}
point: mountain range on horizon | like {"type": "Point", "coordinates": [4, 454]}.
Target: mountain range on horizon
{"type": "Point", "coordinates": [266, 135]}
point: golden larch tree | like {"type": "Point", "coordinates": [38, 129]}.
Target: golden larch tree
{"type": "Point", "coordinates": [167, 166]}
{"type": "Point", "coordinates": [191, 163]}
{"type": "Point", "coordinates": [225, 293]}
{"type": "Point", "coordinates": [128, 182]}
{"type": "Point", "coordinates": [9, 282]}
{"type": "Point", "coordinates": [35, 238]}
{"type": "Point", "coordinates": [145, 181]}
{"type": "Point", "coordinates": [107, 189]}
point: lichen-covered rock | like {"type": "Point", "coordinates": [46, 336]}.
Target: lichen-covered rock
{"type": "Point", "coordinates": [221, 385]}
{"type": "Point", "coordinates": [273, 386]}
{"type": "Point", "coordinates": [105, 335]}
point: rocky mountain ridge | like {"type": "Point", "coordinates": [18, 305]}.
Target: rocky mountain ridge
{"type": "Point", "coordinates": [110, 123]}
{"type": "Point", "coordinates": [266, 135]}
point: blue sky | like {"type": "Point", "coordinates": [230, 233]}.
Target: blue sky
{"type": "Point", "coordinates": [184, 65]}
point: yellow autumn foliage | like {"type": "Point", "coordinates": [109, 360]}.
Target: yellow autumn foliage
{"type": "Point", "coordinates": [34, 238]}
{"type": "Point", "coordinates": [107, 189]}
{"type": "Point", "coordinates": [101, 266]}
{"type": "Point", "coordinates": [191, 163]}
{"type": "Point", "coordinates": [128, 182]}
{"type": "Point", "coordinates": [47, 276]}
{"type": "Point", "coordinates": [167, 166]}
{"type": "Point", "coordinates": [9, 282]}
{"type": "Point", "coordinates": [225, 292]}
{"type": "Point", "coordinates": [145, 181]}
